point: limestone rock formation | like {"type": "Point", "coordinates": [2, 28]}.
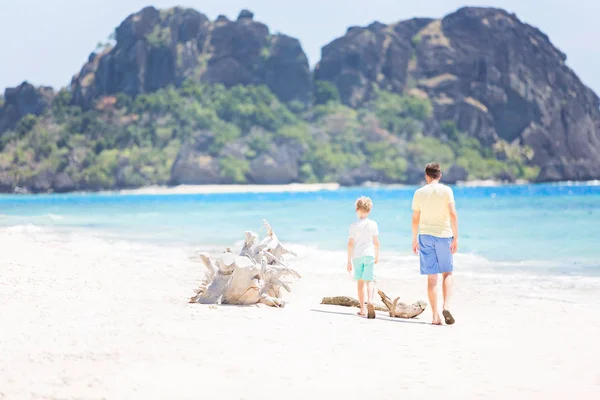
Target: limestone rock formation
{"type": "Point", "coordinates": [156, 48]}
{"type": "Point", "coordinates": [195, 166]}
{"type": "Point", "coordinates": [495, 76]}
{"type": "Point", "coordinates": [192, 167]}
{"type": "Point", "coordinates": [22, 100]}
{"type": "Point", "coordinates": [378, 54]}
{"type": "Point", "coordinates": [278, 166]}
{"type": "Point", "coordinates": [455, 174]}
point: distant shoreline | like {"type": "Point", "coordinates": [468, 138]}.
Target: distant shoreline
{"type": "Point", "coordinates": [285, 188]}
{"type": "Point", "coordinates": [215, 189]}
{"type": "Point", "coordinates": [294, 187]}
{"type": "Point", "coordinates": [314, 187]}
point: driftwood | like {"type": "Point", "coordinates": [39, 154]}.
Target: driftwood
{"type": "Point", "coordinates": [402, 310]}
{"type": "Point", "coordinates": [395, 308]}
{"type": "Point", "coordinates": [348, 302]}
{"type": "Point", "coordinates": [257, 275]}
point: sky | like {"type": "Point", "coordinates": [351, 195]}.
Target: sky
{"type": "Point", "coordinates": [46, 42]}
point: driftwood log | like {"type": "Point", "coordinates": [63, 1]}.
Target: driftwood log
{"type": "Point", "coordinates": [394, 307]}
{"type": "Point", "coordinates": [256, 276]}
{"type": "Point", "coordinates": [348, 302]}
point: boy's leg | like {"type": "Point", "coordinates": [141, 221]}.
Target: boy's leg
{"type": "Point", "coordinates": [370, 291]}
{"type": "Point", "coordinates": [361, 296]}
{"type": "Point", "coordinates": [369, 276]}
{"type": "Point", "coordinates": [432, 294]}
{"type": "Point", "coordinates": [360, 284]}
{"type": "Point", "coordinates": [370, 308]}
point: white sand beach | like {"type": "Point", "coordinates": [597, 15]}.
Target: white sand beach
{"type": "Point", "coordinates": [87, 318]}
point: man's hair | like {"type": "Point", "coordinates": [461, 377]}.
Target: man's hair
{"type": "Point", "coordinates": [364, 204]}
{"type": "Point", "coordinates": [433, 170]}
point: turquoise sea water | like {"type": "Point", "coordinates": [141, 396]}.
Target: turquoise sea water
{"type": "Point", "coordinates": [531, 226]}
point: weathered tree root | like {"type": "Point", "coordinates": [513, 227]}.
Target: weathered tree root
{"type": "Point", "coordinates": [402, 310]}
{"type": "Point", "coordinates": [258, 275]}
{"type": "Point", "coordinates": [395, 308]}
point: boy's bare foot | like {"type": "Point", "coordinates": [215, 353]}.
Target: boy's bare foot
{"type": "Point", "coordinates": [361, 313]}
{"type": "Point", "coordinates": [370, 311]}
{"type": "Point", "coordinates": [436, 320]}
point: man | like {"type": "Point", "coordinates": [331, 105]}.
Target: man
{"type": "Point", "coordinates": [435, 237]}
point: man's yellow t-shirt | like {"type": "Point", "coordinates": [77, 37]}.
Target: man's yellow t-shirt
{"type": "Point", "coordinates": [432, 201]}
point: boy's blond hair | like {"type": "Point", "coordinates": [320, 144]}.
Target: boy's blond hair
{"type": "Point", "coordinates": [364, 203]}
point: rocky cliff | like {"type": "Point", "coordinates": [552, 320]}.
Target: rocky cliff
{"type": "Point", "coordinates": [495, 76]}
{"type": "Point", "coordinates": [157, 48]}
{"type": "Point", "coordinates": [22, 100]}
{"type": "Point", "coordinates": [484, 93]}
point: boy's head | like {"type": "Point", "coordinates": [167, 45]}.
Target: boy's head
{"type": "Point", "coordinates": [363, 206]}
{"type": "Point", "coordinates": [433, 172]}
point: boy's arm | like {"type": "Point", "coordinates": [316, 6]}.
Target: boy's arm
{"type": "Point", "coordinates": [350, 250]}
{"type": "Point", "coordinates": [375, 231]}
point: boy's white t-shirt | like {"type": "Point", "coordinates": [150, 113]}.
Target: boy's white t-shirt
{"type": "Point", "coordinates": [362, 231]}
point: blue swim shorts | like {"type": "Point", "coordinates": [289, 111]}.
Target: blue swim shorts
{"type": "Point", "coordinates": [435, 255]}
{"type": "Point", "coordinates": [364, 268]}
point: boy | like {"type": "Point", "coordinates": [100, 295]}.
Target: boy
{"type": "Point", "coordinates": [435, 237]}
{"type": "Point", "coordinates": [363, 253]}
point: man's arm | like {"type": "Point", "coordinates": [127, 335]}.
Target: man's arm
{"type": "Point", "coordinates": [454, 225]}
{"type": "Point", "coordinates": [416, 218]}
{"type": "Point", "coordinates": [350, 250]}
{"type": "Point", "coordinates": [376, 245]}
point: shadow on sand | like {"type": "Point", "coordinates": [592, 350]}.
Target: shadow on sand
{"type": "Point", "coordinates": [379, 317]}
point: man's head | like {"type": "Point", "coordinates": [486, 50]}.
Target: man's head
{"type": "Point", "coordinates": [363, 206]}
{"type": "Point", "coordinates": [432, 172]}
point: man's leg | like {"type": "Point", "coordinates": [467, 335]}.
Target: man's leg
{"type": "Point", "coordinates": [447, 289]}
{"type": "Point", "coordinates": [429, 266]}
{"type": "Point", "coordinates": [446, 265]}
{"type": "Point", "coordinates": [361, 296]}
{"type": "Point", "coordinates": [432, 294]}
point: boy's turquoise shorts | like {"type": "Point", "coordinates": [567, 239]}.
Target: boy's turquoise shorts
{"type": "Point", "coordinates": [364, 268]}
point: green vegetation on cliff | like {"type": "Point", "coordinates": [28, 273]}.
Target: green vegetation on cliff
{"type": "Point", "coordinates": [127, 142]}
